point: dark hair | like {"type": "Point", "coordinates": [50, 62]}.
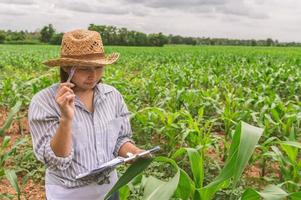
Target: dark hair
{"type": "Point", "coordinates": [64, 76]}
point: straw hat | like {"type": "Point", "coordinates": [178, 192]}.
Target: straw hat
{"type": "Point", "coordinates": [82, 48]}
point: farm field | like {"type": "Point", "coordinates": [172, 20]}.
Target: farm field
{"type": "Point", "coordinates": [200, 104]}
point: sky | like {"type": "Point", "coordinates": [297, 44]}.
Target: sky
{"type": "Point", "coordinates": [237, 19]}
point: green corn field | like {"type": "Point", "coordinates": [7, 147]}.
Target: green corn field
{"type": "Point", "coordinates": [227, 119]}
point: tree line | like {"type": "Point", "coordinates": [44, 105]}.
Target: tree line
{"type": "Point", "coordinates": [112, 35]}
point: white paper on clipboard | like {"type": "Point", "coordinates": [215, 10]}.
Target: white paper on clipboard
{"type": "Point", "coordinates": [114, 163]}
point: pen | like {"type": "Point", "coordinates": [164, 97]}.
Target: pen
{"type": "Point", "coordinates": [72, 71]}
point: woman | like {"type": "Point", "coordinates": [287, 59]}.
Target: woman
{"type": "Point", "coordinates": [80, 123]}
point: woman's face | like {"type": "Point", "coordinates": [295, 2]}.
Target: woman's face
{"type": "Point", "coordinates": [85, 78]}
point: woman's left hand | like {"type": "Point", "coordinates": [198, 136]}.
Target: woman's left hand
{"type": "Point", "coordinates": [129, 149]}
{"type": "Point", "coordinates": [149, 155]}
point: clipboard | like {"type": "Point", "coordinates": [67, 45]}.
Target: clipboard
{"type": "Point", "coordinates": [114, 163]}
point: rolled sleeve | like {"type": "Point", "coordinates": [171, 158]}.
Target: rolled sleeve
{"type": "Point", "coordinates": [120, 142]}
{"type": "Point", "coordinates": [57, 162]}
{"type": "Point", "coordinates": [43, 123]}
{"type": "Point", "coordinates": [125, 134]}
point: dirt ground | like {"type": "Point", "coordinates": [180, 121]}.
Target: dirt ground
{"type": "Point", "coordinates": [31, 190]}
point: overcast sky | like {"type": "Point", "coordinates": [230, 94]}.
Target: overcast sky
{"type": "Point", "coordinates": [243, 19]}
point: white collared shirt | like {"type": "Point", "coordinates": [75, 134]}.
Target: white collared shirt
{"type": "Point", "coordinates": [96, 136]}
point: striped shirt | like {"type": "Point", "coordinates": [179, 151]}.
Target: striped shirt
{"type": "Point", "coordinates": [96, 136]}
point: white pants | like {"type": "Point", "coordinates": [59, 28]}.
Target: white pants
{"type": "Point", "coordinates": [92, 191]}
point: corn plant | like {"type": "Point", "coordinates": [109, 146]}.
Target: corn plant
{"type": "Point", "coordinates": [263, 156]}
{"type": "Point", "coordinates": [10, 174]}
{"type": "Point", "coordinates": [181, 185]}
{"type": "Point", "coordinates": [10, 118]}
{"type": "Point", "coordinates": [179, 128]}
{"type": "Point", "coordinates": [290, 163]}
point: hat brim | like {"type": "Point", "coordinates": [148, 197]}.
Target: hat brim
{"type": "Point", "coordinates": [66, 62]}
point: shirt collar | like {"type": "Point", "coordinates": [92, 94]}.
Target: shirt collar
{"type": "Point", "coordinates": [101, 90]}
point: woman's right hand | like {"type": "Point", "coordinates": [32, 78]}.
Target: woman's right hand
{"type": "Point", "coordinates": [65, 99]}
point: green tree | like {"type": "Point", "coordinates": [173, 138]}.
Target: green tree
{"type": "Point", "coordinates": [56, 38]}
{"type": "Point", "coordinates": [141, 39]}
{"type": "Point", "coordinates": [111, 34]}
{"type": "Point", "coordinates": [46, 33]}
{"type": "Point", "coordinates": [269, 42]}
{"type": "Point", "coordinates": [157, 39]}
{"type": "Point", "coordinates": [177, 39]}
{"type": "Point", "coordinates": [123, 36]}
{"type": "Point", "coordinates": [2, 36]}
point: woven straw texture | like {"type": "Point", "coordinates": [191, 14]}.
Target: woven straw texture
{"type": "Point", "coordinates": [82, 48]}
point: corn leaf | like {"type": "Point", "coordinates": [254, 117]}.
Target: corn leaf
{"type": "Point", "coordinates": [12, 177]}
{"type": "Point", "coordinates": [10, 117]}
{"type": "Point", "coordinates": [156, 189]}
{"type": "Point", "coordinates": [270, 192]}
{"type": "Point", "coordinates": [135, 169]}
{"type": "Point", "coordinates": [242, 147]}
